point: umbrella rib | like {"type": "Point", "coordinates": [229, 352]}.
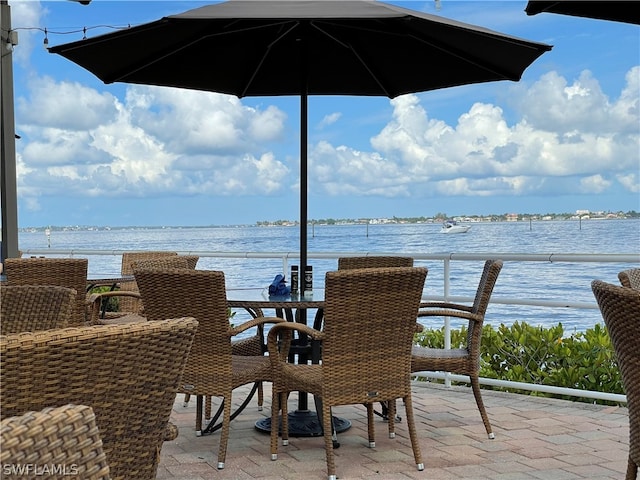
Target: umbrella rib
{"type": "Point", "coordinates": [121, 77]}
{"type": "Point", "coordinates": [266, 54]}
{"type": "Point", "coordinates": [357, 55]}
{"type": "Point", "coordinates": [456, 53]}
{"type": "Point", "coordinates": [468, 59]}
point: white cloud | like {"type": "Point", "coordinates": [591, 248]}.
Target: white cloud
{"type": "Point", "coordinates": [595, 184]}
{"type": "Point", "coordinates": [330, 119]}
{"type": "Point", "coordinates": [64, 105]}
{"type": "Point", "coordinates": [568, 138]}
{"type": "Point", "coordinates": [571, 138]}
{"type": "Point", "coordinates": [630, 182]}
{"type": "Point", "coordinates": [27, 12]}
{"type": "Point", "coordinates": [158, 141]}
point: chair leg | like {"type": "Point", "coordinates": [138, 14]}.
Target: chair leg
{"type": "Point", "coordinates": [199, 415]}
{"type": "Point", "coordinates": [370, 427]}
{"type": "Point", "coordinates": [328, 440]}
{"type": "Point", "coordinates": [260, 396]}
{"type": "Point", "coordinates": [284, 398]}
{"type": "Point", "coordinates": [276, 400]}
{"type": "Point", "coordinates": [391, 418]}
{"type": "Point", "coordinates": [224, 436]}
{"type": "Point", "coordinates": [187, 397]}
{"type": "Point", "coordinates": [334, 434]}
{"type": "Point", "coordinates": [413, 434]}
{"type": "Point", "coordinates": [475, 385]}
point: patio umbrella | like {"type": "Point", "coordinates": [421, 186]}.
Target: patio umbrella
{"type": "Point", "coordinates": [304, 47]}
{"type": "Point", "coordinates": [619, 11]}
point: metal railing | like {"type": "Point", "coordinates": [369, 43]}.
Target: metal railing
{"type": "Point", "coordinates": [623, 261]}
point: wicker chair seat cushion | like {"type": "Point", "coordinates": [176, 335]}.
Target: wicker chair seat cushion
{"type": "Point", "coordinates": [244, 370]}
{"type": "Point", "coordinates": [433, 354]}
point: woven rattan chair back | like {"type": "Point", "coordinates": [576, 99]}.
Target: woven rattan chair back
{"type": "Point", "coordinates": [211, 369]}
{"type": "Point", "coordinates": [163, 263]}
{"type": "Point", "coordinates": [464, 360]}
{"type": "Point", "coordinates": [630, 278]}
{"type": "Point", "coordinates": [348, 263]}
{"type": "Point", "coordinates": [129, 295]}
{"type": "Point", "coordinates": [192, 261]}
{"type": "Point", "coordinates": [63, 272]}
{"type": "Point", "coordinates": [28, 308]}
{"type": "Point", "coordinates": [65, 438]}
{"type": "Point", "coordinates": [620, 308]}
{"type": "Point", "coordinates": [128, 374]}
{"type": "Point", "coordinates": [128, 259]}
{"type": "Point", "coordinates": [369, 323]}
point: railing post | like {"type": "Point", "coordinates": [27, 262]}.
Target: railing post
{"type": "Point", "coordinates": [447, 321]}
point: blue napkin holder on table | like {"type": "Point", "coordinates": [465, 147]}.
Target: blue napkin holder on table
{"type": "Point", "coordinates": [279, 287]}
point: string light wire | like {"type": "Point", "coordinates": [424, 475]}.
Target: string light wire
{"type": "Point", "coordinates": [70, 30]}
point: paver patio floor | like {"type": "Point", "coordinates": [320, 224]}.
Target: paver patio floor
{"type": "Point", "coordinates": [536, 438]}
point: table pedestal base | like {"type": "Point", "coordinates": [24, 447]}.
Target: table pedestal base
{"type": "Point", "coordinates": [304, 423]}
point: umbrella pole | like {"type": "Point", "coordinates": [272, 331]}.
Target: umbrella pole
{"type": "Point", "coordinates": [303, 182]}
{"type": "Point", "coordinates": [302, 398]}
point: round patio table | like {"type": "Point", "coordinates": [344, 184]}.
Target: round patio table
{"type": "Point", "coordinates": [302, 422]}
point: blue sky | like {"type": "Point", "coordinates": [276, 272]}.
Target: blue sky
{"type": "Point", "coordinates": [95, 154]}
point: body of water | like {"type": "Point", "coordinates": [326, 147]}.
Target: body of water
{"type": "Point", "coordinates": [554, 281]}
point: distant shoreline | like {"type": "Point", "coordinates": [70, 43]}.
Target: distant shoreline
{"type": "Point", "coordinates": [338, 222]}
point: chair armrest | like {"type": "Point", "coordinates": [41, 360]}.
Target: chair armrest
{"type": "Point", "coordinates": [119, 293]}
{"type": "Point", "coordinates": [95, 302]}
{"type": "Point", "coordinates": [92, 308]}
{"type": "Point", "coordinates": [254, 322]}
{"type": "Point", "coordinates": [451, 313]}
{"type": "Point", "coordinates": [287, 329]}
{"type": "Point", "coordinates": [446, 305]}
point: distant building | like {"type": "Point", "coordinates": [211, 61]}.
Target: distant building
{"type": "Point", "coordinates": [512, 217]}
{"type": "Point", "coordinates": [582, 212]}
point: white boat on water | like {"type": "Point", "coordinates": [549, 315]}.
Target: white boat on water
{"type": "Point", "coordinates": [454, 227]}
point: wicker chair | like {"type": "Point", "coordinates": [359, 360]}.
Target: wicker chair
{"type": "Point", "coordinates": [255, 345]}
{"type": "Point", "coordinates": [466, 359]}
{"type": "Point", "coordinates": [212, 369]}
{"type": "Point", "coordinates": [128, 374]}
{"type": "Point", "coordinates": [250, 346]}
{"type": "Point", "coordinates": [620, 308]}
{"type": "Point", "coordinates": [370, 317]}
{"type": "Point", "coordinates": [129, 304]}
{"type": "Point", "coordinates": [374, 261]}
{"type": "Point", "coordinates": [63, 272]}
{"type": "Point", "coordinates": [27, 308]}
{"type": "Point", "coordinates": [630, 278]}
{"type": "Point", "coordinates": [66, 437]}
{"type": "Point", "coordinates": [128, 294]}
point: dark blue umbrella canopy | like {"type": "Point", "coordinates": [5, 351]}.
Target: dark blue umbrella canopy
{"type": "Point", "coordinates": [266, 48]}
{"type": "Point", "coordinates": [627, 11]}
{"type": "Point", "coordinates": [304, 47]}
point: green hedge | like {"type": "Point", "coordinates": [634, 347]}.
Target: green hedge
{"type": "Point", "coordinates": [543, 356]}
